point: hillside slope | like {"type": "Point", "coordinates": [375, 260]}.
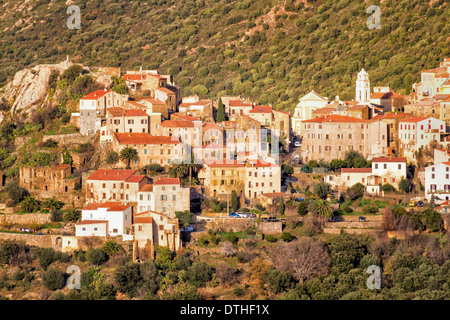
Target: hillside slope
{"type": "Point", "coordinates": [269, 50]}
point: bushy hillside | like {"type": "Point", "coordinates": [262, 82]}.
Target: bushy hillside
{"type": "Point", "coordinates": [270, 50]}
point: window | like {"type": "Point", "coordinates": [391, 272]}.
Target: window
{"type": "Point", "coordinates": [84, 229]}
{"type": "Point", "coordinates": [95, 229]}
{"type": "Point", "coordinates": [385, 166]}
{"type": "Point", "coordinates": [399, 167]}
{"type": "Point", "coordinates": [115, 230]}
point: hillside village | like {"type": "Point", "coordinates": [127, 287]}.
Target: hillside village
{"type": "Point", "coordinates": [135, 162]}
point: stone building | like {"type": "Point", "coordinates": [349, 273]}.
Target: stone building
{"type": "Point", "coordinates": [150, 149]}
{"type": "Point", "coordinates": [47, 182]}
{"type": "Point", "coordinates": [93, 109]}
{"type": "Point", "coordinates": [106, 185]}
{"type": "Point", "coordinates": [152, 228]}
{"type": "Point", "coordinates": [195, 107]}
{"type": "Point", "coordinates": [330, 137]}
{"type": "Point", "coordinates": [164, 195]}
{"type": "Point", "coordinates": [121, 120]}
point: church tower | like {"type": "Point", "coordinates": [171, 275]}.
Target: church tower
{"type": "Point", "coordinates": [363, 87]}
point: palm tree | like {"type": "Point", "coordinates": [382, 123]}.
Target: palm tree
{"type": "Point", "coordinates": [321, 209]}
{"type": "Point", "coordinates": [192, 166]}
{"type": "Point", "coordinates": [52, 204]}
{"type": "Point", "coordinates": [72, 214]}
{"type": "Point", "coordinates": [177, 169]}
{"type": "Point", "coordinates": [29, 204]}
{"type": "Point", "coordinates": [128, 154]}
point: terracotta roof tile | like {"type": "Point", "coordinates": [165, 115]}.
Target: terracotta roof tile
{"type": "Point", "coordinates": [95, 95]}
{"type": "Point", "coordinates": [389, 159]}
{"type": "Point", "coordinates": [112, 174]}
{"type": "Point", "coordinates": [144, 138]}
{"type": "Point", "coordinates": [164, 181]}
{"type": "Point", "coordinates": [336, 118]}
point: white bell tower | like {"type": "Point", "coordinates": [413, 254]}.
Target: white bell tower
{"type": "Point", "coordinates": [363, 87]}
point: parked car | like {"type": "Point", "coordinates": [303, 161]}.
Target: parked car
{"type": "Point", "coordinates": [251, 215]}
{"type": "Point", "coordinates": [300, 199]}
{"type": "Point", "coordinates": [362, 219]}
{"type": "Point", "coordinates": [234, 215]}
{"type": "Point", "coordinates": [333, 219]}
{"type": "Point", "coordinates": [242, 214]}
{"type": "Point", "coordinates": [411, 203]}
{"type": "Point", "coordinates": [420, 203]}
{"type": "Point", "coordinates": [296, 157]}
{"type": "Point", "coordinates": [297, 144]}
{"type": "Point", "coordinates": [190, 228]}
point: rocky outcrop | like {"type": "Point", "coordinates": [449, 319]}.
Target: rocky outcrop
{"type": "Point", "coordinates": [29, 88]}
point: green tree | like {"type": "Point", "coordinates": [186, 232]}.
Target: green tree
{"type": "Point", "coordinates": [72, 214]}
{"type": "Point", "coordinates": [288, 169]}
{"type": "Point", "coordinates": [185, 217]}
{"type": "Point", "coordinates": [220, 116]}
{"type": "Point", "coordinates": [405, 185]}
{"type": "Point", "coordinates": [52, 204]}
{"type": "Point", "coordinates": [53, 279]}
{"type": "Point", "coordinates": [302, 209]}
{"type": "Point", "coordinates": [321, 209]}
{"type": "Point", "coordinates": [281, 206]}
{"type": "Point", "coordinates": [112, 157]}
{"type": "Point", "coordinates": [96, 256]}
{"type": "Point", "coordinates": [15, 192]}
{"type": "Point", "coordinates": [29, 204]}
{"type": "Point", "coordinates": [356, 191]}
{"type": "Point", "coordinates": [234, 201]}
{"type": "Point", "coordinates": [322, 189]}
{"type": "Point", "coordinates": [128, 154]}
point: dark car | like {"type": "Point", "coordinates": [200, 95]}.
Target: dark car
{"type": "Point", "coordinates": [362, 219]}
{"type": "Point", "coordinates": [420, 203]}
{"type": "Point", "coordinates": [333, 219]}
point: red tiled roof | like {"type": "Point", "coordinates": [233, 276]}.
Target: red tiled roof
{"type": "Point", "coordinates": [356, 170]}
{"type": "Point", "coordinates": [143, 219]}
{"type": "Point", "coordinates": [167, 181]}
{"type": "Point", "coordinates": [274, 194]}
{"type": "Point", "coordinates": [225, 163]}
{"type": "Point", "coordinates": [111, 206]}
{"type": "Point", "coordinates": [210, 125]}
{"type": "Point", "coordinates": [414, 119]}
{"type": "Point", "coordinates": [261, 109]}
{"type": "Point", "coordinates": [261, 164]}
{"type": "Point", "coordinates": [435, 70]}
{"type": "Point", "coordinates": [357, 107]}
{"type": "Point", "coordinates": [336, 118]}
{"type": "Point", "coordinates": [177, 124]}
{"type": "Point", "coordinates": [389, 159]}
{"type": "Point", "coordinates": [119, 112]}
{"type": "Point", "coordinates": [239, 103]}
{"type": "Point", "coordinates": [144, 138]}
{"type": "Point", "coordinates": [136, 104]}
{"type": "Point", "coordinates": [198, 103]}
{"type": "Point", "coordinates": [280, 111]}
{"type": "Point", "coordinates": [136, 178]}
{"type": "Point", "coordinates": [154, 101]}
{"type": "Point", "coordinates": [62, 166]}
{"type": "Point", "coordinates": [183, 117]}
{"type": "Point", "coordinates": [147, 188]}
{"type": "Point", "coordinates": [134, 77]}
{"type": "Point", "coordinates": [165, 90]}
{"type": "Point", "coordinates": [95, 95]}
{"type": "Point", "coordinates": [324, 110]}
{"type": "Point", "coordinates": [112, 174]}
{"type": "Point", "coordinates": [91, 222]}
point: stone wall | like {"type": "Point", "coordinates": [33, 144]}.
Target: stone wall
{"type": "Point", "coordinates": [73, 138]}
{"type": "Point", "coordinates": [29, 239]}
{"type": "Point", "coordinates": [25, 219]}
{"type": "Point", "coordinates": [350, 231]}
{"type": "Point", "coordinates": [270, 227]}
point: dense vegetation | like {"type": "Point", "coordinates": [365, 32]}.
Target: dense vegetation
{"type": "Point", "coordinates": [270, 50]}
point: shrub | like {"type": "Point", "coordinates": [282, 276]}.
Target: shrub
{"type": "Point", "coordinates": [112, 157]}
{"type": "Point", "coordinates": [96, 256]}
{"type": "Point", "coordinates": [231, 237]}
{"type": "Point", "coordinates": [198, 274]}
{"type": "Point", "coordinates": [270, 238]}
{"type": "Point", "coordinates": [388, 188]}
{"type": "Point", "coordinates": [286, 236]}
{"type": "Point", "coordinates": [46, 256]}
{"type": "Point", "coordinates": [53, 279]}
{"type": "Point", "coordinates": [228, 250]}
{"type": "Point", "coordinates": [56, 216]}
{"type": "Point", "coordinates": [111, 247]}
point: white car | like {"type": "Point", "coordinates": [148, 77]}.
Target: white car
{"type": "Point", "coordinates": [296, 157]}
{"type": "Point", "coordinates": [297, 144]}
